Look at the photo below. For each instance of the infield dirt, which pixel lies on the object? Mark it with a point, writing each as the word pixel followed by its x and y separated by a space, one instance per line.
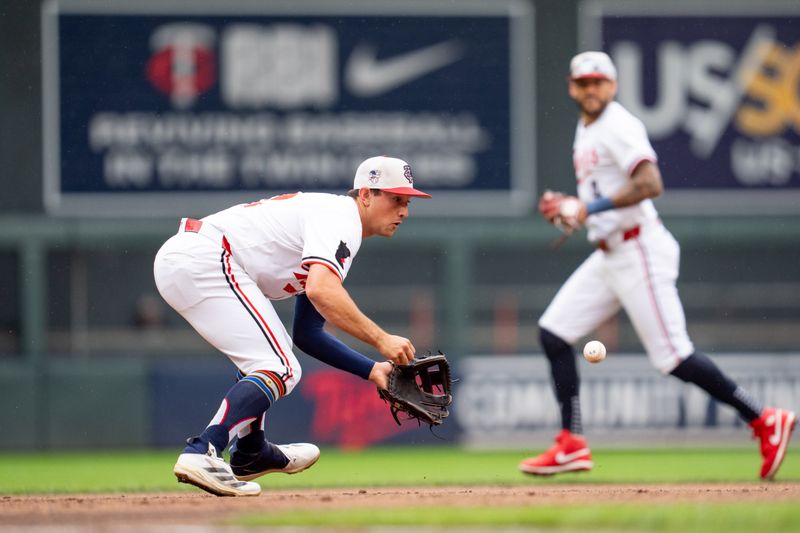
pixel 117 512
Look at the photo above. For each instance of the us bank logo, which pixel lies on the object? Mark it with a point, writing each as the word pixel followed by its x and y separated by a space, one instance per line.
pixel 282 66
pixel 719 95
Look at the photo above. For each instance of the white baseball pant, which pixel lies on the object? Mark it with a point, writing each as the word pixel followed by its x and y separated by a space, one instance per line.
pixel 196 275
pixel 639 275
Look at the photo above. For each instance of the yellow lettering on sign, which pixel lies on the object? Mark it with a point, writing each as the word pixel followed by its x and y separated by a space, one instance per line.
pixel 773 89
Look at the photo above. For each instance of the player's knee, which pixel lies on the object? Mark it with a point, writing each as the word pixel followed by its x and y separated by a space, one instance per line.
pixel 293 379
pixel 553 345
pixel 690 368
pixel 274 384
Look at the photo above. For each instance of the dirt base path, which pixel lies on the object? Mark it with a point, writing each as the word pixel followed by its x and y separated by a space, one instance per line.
pixel 104 512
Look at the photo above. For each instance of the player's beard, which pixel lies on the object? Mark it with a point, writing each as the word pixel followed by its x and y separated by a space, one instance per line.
pixel 594 111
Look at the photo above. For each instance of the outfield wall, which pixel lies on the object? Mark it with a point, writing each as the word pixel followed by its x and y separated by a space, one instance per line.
pixel 500 401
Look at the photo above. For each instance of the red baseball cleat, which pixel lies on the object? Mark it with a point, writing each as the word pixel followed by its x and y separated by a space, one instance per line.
pixel 774 428
pixel 569 454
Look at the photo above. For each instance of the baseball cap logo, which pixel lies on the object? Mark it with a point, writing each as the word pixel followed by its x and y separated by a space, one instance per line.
pixel 389 174
pixel 588 66
pixel 183 62
pixel 407 174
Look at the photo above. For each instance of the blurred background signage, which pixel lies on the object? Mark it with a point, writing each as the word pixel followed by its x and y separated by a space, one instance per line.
pixel 717 89
pixel 168 108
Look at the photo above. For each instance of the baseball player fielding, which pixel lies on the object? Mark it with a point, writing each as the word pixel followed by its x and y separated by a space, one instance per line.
pixel 594 351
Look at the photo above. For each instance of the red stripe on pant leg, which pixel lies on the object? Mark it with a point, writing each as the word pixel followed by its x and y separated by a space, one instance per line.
pixel 241 293
pixel 653 298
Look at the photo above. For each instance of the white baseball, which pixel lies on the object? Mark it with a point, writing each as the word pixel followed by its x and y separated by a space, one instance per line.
pixel 569 207
pixel 594 351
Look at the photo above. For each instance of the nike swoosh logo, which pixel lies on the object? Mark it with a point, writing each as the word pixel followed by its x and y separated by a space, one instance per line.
pixel 366 75
pixel 775 438
pixel 562 457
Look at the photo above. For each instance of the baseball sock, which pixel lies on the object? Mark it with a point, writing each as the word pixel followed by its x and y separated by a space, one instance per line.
pixel 253 449
pixel 243 404
pixel 252 437
pixel 566 381
pixel 252 440
pixel 699 369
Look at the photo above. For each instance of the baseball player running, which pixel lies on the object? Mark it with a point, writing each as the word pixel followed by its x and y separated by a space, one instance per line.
pixel 634 267
pixel 221 273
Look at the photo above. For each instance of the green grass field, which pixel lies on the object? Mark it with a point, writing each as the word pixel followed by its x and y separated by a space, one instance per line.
pixel 61 473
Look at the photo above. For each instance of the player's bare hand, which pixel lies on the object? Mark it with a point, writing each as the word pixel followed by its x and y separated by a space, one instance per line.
pixel 549 205
pixel 567 213
pixel 379 374
pixel 397 349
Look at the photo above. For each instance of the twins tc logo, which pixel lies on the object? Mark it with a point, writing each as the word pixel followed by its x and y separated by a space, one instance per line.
pixel 183 62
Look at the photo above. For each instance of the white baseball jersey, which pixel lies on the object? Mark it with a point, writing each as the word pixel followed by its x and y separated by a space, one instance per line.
pixel 605 154
pixel 276 240
pixel 638 265
pixel 220 274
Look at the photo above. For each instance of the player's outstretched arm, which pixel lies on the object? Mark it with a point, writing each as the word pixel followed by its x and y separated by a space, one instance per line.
pixel 645 183
pixel 570 212
pixel 310 336
pixel 325 290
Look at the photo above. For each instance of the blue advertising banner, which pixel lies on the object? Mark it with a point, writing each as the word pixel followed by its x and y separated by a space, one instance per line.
pixel 717 89
pixel 155 108
pixel 329 408
pixel 498 401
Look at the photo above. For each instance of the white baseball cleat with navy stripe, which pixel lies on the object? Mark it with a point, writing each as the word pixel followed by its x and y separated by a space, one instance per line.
pixel 210 473
pixel 299 456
